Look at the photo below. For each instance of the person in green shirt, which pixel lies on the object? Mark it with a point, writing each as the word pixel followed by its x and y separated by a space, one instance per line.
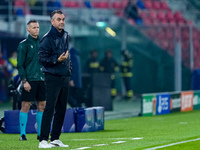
pixel 30 72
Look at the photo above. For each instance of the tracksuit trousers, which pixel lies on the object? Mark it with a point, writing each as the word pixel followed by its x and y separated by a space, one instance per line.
pixel 56 94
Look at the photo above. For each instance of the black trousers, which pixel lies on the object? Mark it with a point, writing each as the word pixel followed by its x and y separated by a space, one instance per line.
pixel 56 94
pixel 127 82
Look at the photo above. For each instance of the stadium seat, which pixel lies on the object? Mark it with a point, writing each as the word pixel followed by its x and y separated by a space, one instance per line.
pixel 143 14
pixel 161 15
pixel 169 16
pixel 156 5
pixel 172 22
pixel 96 4
pixel 164 22
pixel 152 33
pixel 164 5
pixel 164 44
pixel 178 15
pixel 185 46
pixel 161 35
pixel 104 4
pixel 131 21
pixel 185 34
pixel 196 44
pixel 152 15
pixel 147 21
pixel 117 5
pixel 140 4
pixel 124 3
pixel 148 4
pixel 70 4
pixel 169 34
pixel 119 13
pixel 195 35
pixel 180 22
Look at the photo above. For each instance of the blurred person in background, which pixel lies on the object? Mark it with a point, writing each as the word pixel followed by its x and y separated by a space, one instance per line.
pixel 126 72
pixel 36 7
pixel 20 7
pixel 109 65
pixel 75 82
pixel 13 61
pixel 4 75
pixel 30 72
pixel 92 64
pixel 53 5
pixel 131 11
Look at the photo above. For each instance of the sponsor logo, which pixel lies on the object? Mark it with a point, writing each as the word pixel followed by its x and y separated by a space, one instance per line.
pixel 186 101
pixel 163 104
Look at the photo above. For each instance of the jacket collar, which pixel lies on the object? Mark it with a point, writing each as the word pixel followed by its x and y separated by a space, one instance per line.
pixel 32 38
pixel 55 31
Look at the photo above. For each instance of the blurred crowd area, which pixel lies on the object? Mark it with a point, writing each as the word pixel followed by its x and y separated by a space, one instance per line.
pixel 169 24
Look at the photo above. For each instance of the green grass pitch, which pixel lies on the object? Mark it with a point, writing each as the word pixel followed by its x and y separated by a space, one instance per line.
pixel 122 134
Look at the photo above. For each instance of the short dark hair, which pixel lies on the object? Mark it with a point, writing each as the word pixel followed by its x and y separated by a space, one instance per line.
pixel 32 21
pixel 55 12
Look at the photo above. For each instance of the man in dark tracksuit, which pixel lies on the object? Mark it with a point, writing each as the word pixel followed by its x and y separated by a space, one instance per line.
pixel 109 65
pixel 75 80
pixel 92 64
pixel 126 72
pixel 54 57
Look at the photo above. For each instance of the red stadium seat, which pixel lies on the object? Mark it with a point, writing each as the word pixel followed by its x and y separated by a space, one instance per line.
pixel 104 5
pixel 152 15
pixel 169 16
pixel 164 44
pixel 172 22
pixel 143 14
pixel 164 5
pixel 156 5
pixel 71 4
pixel 178 15
pixel 131 21
pixel 185 34
pixel 152 33
pixel 147 21
pixel 161 15
pixel 148 4
pixel 96 4
pixel 119 13
pixel 169 34
pixel 180 22
pixel 117 5
pixel 164 22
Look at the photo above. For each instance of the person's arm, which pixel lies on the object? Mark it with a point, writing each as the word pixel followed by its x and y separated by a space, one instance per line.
pixel 21 57
pixel 46 56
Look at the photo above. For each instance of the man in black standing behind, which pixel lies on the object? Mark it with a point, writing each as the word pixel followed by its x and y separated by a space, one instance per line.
pixel 54 57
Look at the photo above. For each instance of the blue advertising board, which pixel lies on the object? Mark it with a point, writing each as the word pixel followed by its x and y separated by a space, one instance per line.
pixel 163 104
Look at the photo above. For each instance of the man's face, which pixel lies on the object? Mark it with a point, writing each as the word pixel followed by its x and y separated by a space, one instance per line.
pixel 58 21
pixel 33 29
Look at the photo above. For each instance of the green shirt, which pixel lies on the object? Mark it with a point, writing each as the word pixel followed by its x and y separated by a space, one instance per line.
pixel 27 60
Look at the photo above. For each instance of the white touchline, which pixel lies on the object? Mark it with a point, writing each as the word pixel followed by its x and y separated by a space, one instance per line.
pixel 83 139
pixel 119 142
pixel 83 147
pixel 139 138
pixel 100 145
pixel 172 144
